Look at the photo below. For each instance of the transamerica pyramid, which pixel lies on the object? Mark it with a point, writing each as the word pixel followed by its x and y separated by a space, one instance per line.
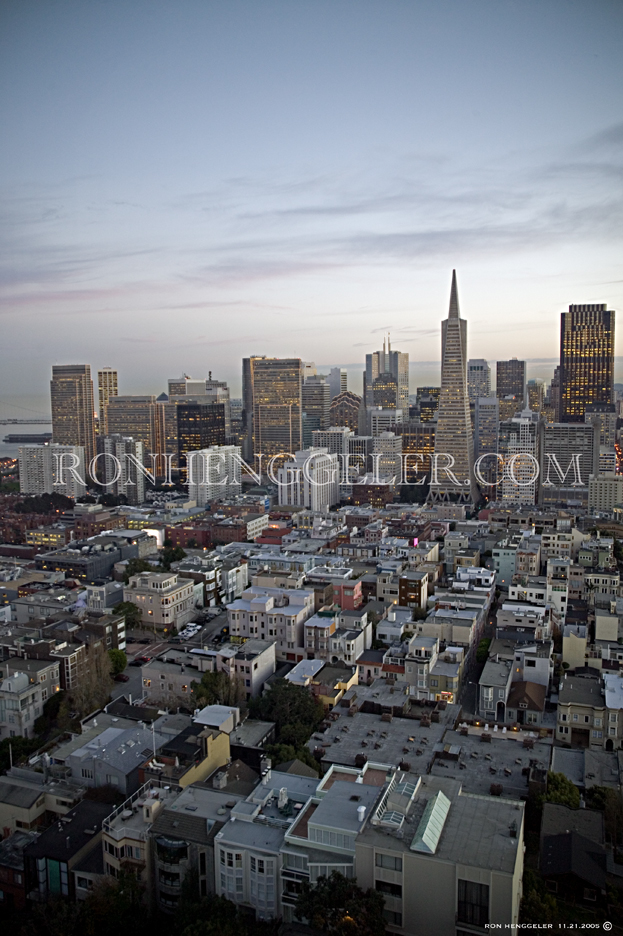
pixel 453 435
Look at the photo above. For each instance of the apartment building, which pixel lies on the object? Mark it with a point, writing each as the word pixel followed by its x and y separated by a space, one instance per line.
pixel 24 686
pixel 276 614
pixel 590 710
pixel 165 600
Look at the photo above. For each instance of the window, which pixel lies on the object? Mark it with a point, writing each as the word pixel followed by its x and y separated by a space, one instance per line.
pixel 576 717
pixel 598 734
pixel 389 862
pixel 385 887
pixel 487 694
pixel 563 716
pixel 87 773
pixel 590 894
pixel 392 917
pixel 473 900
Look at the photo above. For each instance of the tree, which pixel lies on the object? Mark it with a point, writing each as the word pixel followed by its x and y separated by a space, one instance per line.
pixel 339 907
pixel 287 704
pixel 483 650
pixel 219 689
pixel 118 660
pixel 131 612
pixel 280 753
pixel 562 790
pixel 192 543
pixel 94 687
pixel 134 567
pixel 171 554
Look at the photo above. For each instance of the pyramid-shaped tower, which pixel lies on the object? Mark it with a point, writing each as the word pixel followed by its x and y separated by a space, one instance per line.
pixel 453 435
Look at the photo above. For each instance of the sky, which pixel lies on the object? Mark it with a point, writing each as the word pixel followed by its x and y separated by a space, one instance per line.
pixel 186 184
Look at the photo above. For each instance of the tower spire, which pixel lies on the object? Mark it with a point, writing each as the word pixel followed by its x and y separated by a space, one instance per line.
pixel 454 299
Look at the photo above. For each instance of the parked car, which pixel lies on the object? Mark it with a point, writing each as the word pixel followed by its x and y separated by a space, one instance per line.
pixel 141 659
pixel 121 677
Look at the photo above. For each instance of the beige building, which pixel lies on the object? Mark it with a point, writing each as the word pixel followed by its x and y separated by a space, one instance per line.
pixel 605 491
pixel 574 639
pixel 457 869
pixel 165 600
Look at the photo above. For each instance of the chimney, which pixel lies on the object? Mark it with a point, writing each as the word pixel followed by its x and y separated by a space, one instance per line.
pixel 361 813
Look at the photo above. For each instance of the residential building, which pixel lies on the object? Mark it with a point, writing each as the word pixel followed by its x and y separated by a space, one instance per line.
pixel 214 473
pixel 107 388
pixel 165 600
pixel 54 468
pixel 50 860
pixel 276 614
pixel 311 479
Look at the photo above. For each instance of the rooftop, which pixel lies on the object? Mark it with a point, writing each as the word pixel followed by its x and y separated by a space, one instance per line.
pixel 68 836
pixel 476 764
pixel 581 690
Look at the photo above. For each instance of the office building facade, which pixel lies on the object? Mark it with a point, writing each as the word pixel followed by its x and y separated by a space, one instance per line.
pixel 73 418
pixel 586 360
pixel 511 379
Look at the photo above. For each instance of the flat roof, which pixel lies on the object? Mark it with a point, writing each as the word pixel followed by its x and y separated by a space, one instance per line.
pixel 581 690
pixel 476 831
pixel 479 764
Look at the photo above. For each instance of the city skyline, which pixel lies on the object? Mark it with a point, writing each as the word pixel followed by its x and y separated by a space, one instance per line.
pixel 244 181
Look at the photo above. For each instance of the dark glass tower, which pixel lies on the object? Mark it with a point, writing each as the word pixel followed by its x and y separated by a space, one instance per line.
pixel 586 360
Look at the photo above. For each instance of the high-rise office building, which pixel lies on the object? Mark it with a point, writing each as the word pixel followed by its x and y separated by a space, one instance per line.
pixel 338 381
pixel 554 394
pixel 486 436
pixel 535 394
pixel 347 409
pixel 385 391
pixel 427 402
pixel 511 379
pixel 569 455
pixel 453 435
pixel 586 359
pixel 418 439
pixel 73 417
pixel 478 379
pixel 391 362
pixel 316 401
pixel 135 417
pixel 199 426
pixel 107 388
pixel 272 405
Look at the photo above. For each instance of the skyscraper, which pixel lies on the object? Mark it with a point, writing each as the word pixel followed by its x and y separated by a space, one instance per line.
pixel 199 426
pixel 315 400
pixel 453 435
pixel 338 381
pixel 519 446
pixel 107 388
pixel 478 379
pixel 347 409
pixel 135 417
pixel 486 434
pixel 391 362
pixel 586 359
pixel 511 380
pixel 271 393
pixel 73 418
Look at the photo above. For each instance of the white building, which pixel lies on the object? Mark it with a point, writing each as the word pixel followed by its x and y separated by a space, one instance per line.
pixel 277 614
pixel 120 473
pixel 213 473
pixel 47 469
pixel 310 480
